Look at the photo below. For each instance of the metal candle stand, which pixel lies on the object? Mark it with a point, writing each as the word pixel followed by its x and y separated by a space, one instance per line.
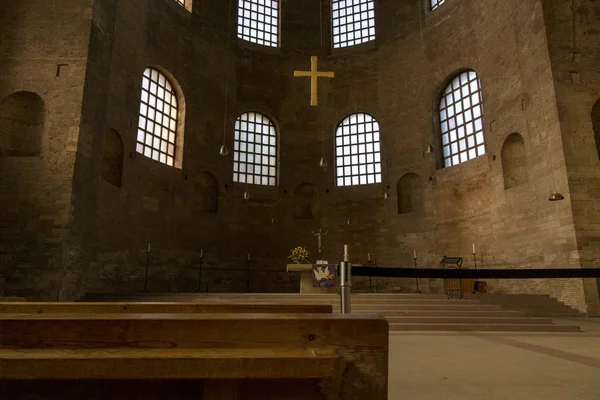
pixel 199 289
pixel 345 283
pixel 416 279
pixel 147 265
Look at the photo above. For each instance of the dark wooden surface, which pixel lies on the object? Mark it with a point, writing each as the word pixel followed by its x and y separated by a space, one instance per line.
pixel 161 308
pixel 280 363
pixel 361 341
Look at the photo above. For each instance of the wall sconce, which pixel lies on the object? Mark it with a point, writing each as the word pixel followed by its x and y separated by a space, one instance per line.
pixel 428 150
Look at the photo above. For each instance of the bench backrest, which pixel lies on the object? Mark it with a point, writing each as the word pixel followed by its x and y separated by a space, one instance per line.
pixel 361 340
pixel 221 306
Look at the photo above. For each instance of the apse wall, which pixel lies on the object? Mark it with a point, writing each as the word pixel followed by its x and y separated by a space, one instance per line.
pixel 204 235
pixel 42 73
pixel 574 50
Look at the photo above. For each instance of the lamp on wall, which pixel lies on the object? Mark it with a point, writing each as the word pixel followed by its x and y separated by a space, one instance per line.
pixel 247 195
pixel 555 196
pixel 323 162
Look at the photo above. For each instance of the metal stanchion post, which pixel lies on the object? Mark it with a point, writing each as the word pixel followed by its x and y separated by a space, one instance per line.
pixel 345 283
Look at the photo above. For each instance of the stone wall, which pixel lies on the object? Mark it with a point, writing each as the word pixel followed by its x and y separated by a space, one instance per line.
pixel 498 201
pixel 43 57
pixel 574 42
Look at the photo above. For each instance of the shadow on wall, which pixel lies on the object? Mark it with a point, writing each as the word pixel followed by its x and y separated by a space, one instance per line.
pixel 21 124
pixel 410 194
pixel 306 202
pixel 514 161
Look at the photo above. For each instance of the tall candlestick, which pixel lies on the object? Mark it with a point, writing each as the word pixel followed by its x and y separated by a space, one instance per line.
pixel 473 248
pixel 148 247
pixel 415 254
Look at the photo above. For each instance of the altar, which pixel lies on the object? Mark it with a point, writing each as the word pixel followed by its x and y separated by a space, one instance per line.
pixel 306 280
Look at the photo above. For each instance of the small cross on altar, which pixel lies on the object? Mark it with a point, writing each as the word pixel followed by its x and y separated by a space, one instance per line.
pixel 314 74
pixel 320 235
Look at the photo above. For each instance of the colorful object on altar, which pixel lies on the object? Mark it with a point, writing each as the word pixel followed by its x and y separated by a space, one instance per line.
pixel 299 255
pixel 324 275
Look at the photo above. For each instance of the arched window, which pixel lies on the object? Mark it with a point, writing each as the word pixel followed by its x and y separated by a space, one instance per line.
pixel 357 150
pixel 258 21
pixel 436 3
pixel 159 121
pixel 255 150
pixel 461 120
pixel 353 22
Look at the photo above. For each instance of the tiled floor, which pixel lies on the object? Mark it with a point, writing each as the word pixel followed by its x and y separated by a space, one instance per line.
pixel 515 366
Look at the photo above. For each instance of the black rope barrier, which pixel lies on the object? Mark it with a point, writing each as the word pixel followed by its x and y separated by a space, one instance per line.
pixel 442 273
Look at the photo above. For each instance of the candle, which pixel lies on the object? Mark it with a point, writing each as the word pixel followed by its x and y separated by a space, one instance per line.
pixel 248 256
pixel 415 254
pixel 201 253
pixel 369 256
pixel 473 248
pixel 148 247
pixel 345 251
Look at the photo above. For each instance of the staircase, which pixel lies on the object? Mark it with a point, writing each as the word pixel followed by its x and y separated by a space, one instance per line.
pixel 405 312
pixel 534 305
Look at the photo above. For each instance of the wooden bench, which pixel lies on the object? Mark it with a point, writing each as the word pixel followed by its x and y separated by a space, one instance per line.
pixel 200 356
pixel 161 308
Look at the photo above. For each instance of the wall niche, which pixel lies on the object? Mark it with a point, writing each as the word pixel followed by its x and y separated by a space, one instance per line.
pixel 22 116
pixel 514 161
pixel 410 194
pixel 305 201
pixel 112 158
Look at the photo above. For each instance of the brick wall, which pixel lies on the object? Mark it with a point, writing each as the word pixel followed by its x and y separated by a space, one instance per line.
pixel 397 79
pixel 43 56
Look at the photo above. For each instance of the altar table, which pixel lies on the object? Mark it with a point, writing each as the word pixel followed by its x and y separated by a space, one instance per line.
pixel 306 285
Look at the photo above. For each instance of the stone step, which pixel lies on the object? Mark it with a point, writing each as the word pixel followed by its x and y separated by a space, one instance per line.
pixel 469 320
pixel 483 328
pixel 440 307
pixel 445 313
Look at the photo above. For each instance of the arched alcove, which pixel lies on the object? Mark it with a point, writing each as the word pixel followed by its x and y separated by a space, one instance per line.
pixel 305 201
pixel 22 117
pixel 514 162
pixel 208 188
pixel 596 125
pixel 112 157
pixel 410 194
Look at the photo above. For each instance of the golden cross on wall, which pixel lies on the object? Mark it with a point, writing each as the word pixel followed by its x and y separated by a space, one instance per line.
pixel 314 74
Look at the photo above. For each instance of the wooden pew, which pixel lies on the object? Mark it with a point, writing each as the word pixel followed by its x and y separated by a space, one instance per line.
pixel 199 356
pixel 161 308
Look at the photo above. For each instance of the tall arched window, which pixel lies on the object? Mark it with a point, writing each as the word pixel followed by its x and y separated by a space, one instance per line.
pixel 353 22
pixel 461 119
pixel 258 21
pixel 255 150
pixel 357 150
pixel 436 3
pixel 159 119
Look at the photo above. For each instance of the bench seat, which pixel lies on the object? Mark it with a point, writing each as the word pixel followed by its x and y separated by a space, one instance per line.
pixel 125 363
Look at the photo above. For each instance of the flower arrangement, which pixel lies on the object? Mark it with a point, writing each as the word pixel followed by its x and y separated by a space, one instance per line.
pixel 299 255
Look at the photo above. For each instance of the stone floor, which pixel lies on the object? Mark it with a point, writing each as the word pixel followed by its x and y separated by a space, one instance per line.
pixel 515 366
